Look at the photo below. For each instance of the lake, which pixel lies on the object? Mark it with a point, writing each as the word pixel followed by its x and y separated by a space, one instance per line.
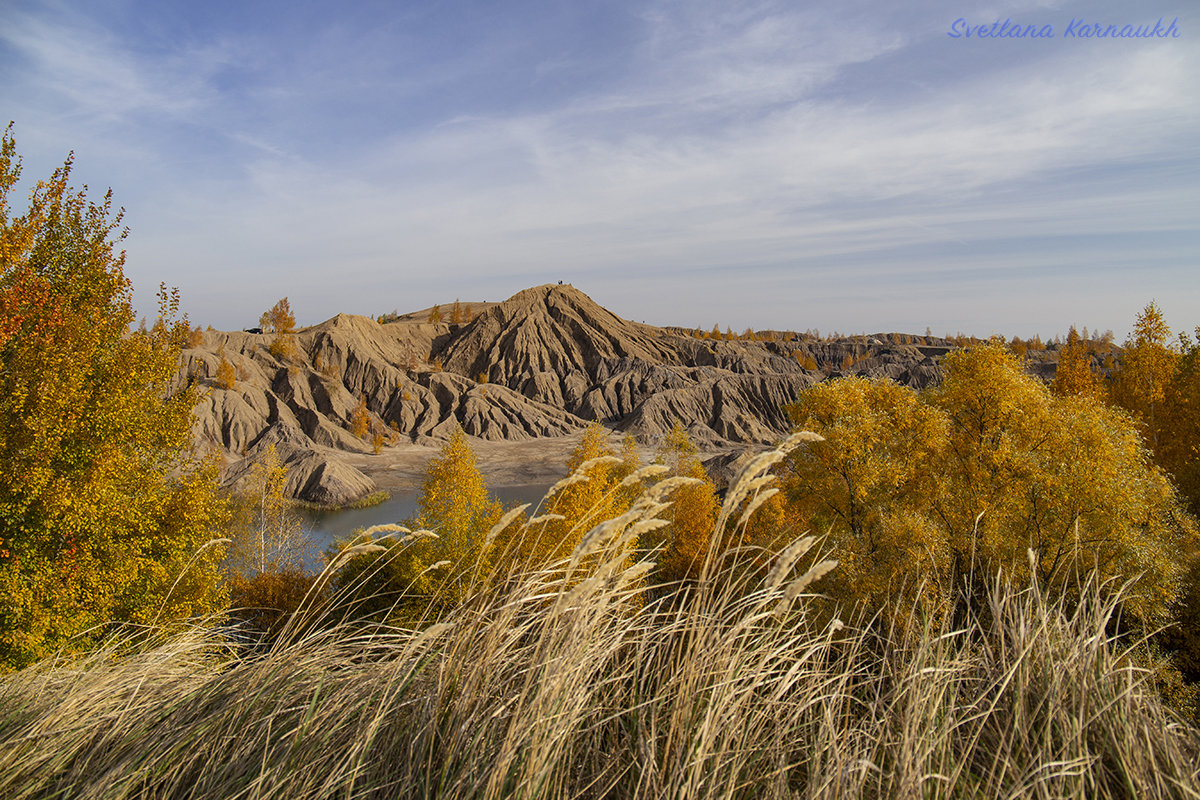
pixel 326 526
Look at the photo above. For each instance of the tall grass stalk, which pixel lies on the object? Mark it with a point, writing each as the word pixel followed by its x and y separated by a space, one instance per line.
pixel 581 680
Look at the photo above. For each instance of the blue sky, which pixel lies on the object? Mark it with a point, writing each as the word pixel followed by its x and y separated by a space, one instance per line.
pixel 842 165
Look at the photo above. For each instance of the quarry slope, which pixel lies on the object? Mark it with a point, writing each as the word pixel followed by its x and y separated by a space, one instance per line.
pixel 543 363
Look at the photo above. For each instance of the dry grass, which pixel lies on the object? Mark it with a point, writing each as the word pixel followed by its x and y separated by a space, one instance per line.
pixel 581 681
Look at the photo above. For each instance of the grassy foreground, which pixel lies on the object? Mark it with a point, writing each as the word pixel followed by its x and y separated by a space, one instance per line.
pixel 581 681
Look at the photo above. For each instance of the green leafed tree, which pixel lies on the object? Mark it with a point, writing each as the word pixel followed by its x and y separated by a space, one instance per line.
pixel 102 515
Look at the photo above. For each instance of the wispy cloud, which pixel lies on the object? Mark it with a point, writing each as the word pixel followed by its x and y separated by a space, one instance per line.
pixel 756 150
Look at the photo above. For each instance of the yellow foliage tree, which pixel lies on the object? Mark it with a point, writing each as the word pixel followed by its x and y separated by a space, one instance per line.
pixel 420 574
pixel 455 504
pixel 1179 447
pixel 684 543
pixel 1147 367
pixel 266 560
pixel 584 503
pixel 881 451
pixel 278 318
pixel 102 514
pixel 226 376
pixel 360 419
pixel 1065 477
pixel 1073 374
pixel 280 321
pixel 267 535
pixel 983 469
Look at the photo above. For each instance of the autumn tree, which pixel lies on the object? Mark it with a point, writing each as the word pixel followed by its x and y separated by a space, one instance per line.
pixel 684 543
pixel 866 485
pixel 1065 477
pixel 594 495
pixel 967 479
pixel 102 515
pixel 280 321
pixel 278 318
pixel 1147 367
pixel 1179 447
pixel 435 314
pixel 226 375
pixel 1074 375
pixel 437 569
pixel 269 549
pixel 267 534
pixel 456 505
pixel 1157 381
pixel 360 419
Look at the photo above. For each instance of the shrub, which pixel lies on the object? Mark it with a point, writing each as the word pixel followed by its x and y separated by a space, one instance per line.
pixel 360 419
pixel 264 602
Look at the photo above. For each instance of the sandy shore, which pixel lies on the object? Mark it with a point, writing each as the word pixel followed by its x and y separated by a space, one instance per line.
pixel 528 463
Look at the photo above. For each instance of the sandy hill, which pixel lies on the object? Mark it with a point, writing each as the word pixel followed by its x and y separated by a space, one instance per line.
pixel 543 363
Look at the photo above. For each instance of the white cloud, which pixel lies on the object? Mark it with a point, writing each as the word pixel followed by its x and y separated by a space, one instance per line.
pixel 729 139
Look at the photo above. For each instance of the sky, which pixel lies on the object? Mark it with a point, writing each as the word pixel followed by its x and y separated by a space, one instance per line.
pixel 840 166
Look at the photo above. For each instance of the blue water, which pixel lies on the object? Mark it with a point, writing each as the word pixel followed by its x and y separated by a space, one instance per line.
pixel 324 527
